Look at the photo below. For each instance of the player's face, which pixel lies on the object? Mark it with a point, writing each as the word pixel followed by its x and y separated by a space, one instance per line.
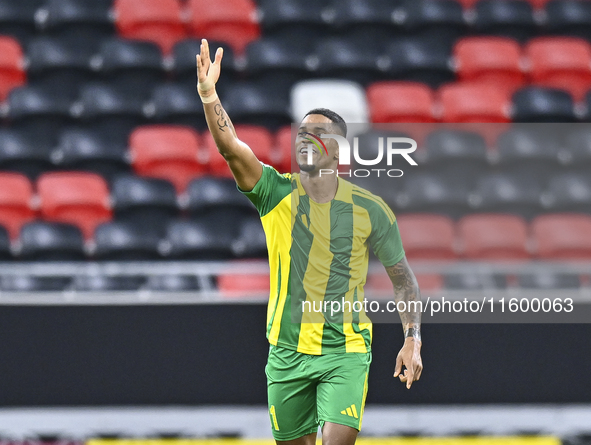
pixel 310 149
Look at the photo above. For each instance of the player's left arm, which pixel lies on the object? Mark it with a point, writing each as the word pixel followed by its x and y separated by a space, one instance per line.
pixel 406 289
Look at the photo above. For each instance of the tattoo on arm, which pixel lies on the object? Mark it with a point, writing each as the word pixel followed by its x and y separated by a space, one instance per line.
pixel 406 289
pixel 223 120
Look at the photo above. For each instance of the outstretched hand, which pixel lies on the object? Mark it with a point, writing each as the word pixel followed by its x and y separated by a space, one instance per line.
pixel 208 73
pixel 410 357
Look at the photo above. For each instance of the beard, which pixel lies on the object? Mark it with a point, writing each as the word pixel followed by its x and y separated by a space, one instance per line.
pixel 307 167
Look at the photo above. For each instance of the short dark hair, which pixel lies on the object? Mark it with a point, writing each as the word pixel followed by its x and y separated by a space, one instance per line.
pixel 334 118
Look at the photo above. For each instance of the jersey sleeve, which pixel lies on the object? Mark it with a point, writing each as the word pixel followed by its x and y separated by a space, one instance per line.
pixel 385 238
pixel 270 189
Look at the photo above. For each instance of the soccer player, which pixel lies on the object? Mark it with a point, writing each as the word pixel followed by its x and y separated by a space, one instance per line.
pixel 319 228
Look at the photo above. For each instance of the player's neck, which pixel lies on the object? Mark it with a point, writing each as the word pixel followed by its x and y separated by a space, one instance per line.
pixel 320 188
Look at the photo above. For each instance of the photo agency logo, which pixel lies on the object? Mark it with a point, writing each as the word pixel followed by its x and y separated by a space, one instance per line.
pixel 387 147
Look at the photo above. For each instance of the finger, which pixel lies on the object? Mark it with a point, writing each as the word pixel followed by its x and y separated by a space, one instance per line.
pixel 218 56
pixel 418 372
pixel 410 377
pixel 398 368
pixel 403 377
pixel 205 48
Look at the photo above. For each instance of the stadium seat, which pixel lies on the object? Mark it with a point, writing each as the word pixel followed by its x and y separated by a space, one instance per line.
pixel 255 104
pixel 508 18
pixel 493 237
pixel 494 60
pixel 424 192
pixel 538 4
pixel 166 152
pixel 109 105
pixel 243 285
pixel 12 66
pixel 297 20
pixel 271 60
pixel 404 102
pixel 560 62
pixel 125 241
pixel 38 110
pixel 208 238
pixel 16 202
pixel 501 192
pixel 348 59
pixel 91 150
pixel 50 241
pixel 548 280
pixel 344 97
pixel 569 17
pixel 107 283
pixel 136 65
pixel 88 20
pixel 456 154
pixel 420 60
pixel 74 197
pixel 283 143
pixel 568 192
pixel 381 283
pixel 427 236
pixel 474 103
pixel 528 149
pixel 176 103
pixel 34 283
pixel 207 193
pixel 5 253
pixel 472 281
pixel 536 104
pixel 59 63
pixel 17 19
pixel 578 147
pixel 215 163
pixel 562 236
pixel 232 21
pixel 146 201
pixel 155 20
pixel 24 154
pixel 173 283
pixel 468 4
pixel 183 62
pixel 433 19
pixel 251 241
pixel 369 21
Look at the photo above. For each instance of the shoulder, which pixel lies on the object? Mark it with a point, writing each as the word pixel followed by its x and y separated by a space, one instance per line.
pixel 375 206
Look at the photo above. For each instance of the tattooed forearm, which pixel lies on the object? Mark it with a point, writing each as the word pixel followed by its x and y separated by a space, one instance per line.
pixel 406 290
pixel 223 121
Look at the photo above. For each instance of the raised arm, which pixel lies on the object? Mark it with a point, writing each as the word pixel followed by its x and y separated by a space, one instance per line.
pixel 246 168
pixel 406 290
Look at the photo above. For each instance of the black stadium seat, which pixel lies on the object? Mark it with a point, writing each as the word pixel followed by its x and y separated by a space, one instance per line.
pixel 535 104
pixel 90 150
pixel 177 103
pixel 568 192
pixel 578 148
pixel 124 241
pixel 508 18
pixel 33 283
pixel 149 202
pixel 21 153
pixel 471 281
pixel 107 283
pixel 368 21
pixel 17 18
pixel 435 20
pixel 501 192
pixel 251 242
pixel 173 283
pixel 183 62
pixel 48 241
pixel 420 60
pixel 548 280
pixel 569 17
pixel 348 59
pixel 135 65
pixel 5 253
pixel 208 193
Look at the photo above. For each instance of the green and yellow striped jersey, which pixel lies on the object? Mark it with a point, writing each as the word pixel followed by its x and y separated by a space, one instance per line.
pixel 320 252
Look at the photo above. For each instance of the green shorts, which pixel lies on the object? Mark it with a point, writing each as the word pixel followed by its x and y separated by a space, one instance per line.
pixel 307 390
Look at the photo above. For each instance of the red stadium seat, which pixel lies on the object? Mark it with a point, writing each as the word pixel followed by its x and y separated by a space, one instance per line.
pixel 76 198
pixel 231 21
pixel 468 3
pixel 155 20
pixel 405 102
pixel 490 236
pixel 561 62
pixel 427 237
pixel 472 102
pixel 243 285
pixel 12 66
pixel 494 60
pixel 167 152
pixel 16 202
pixel 284 142
pixel 538 4
pixel 562 236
